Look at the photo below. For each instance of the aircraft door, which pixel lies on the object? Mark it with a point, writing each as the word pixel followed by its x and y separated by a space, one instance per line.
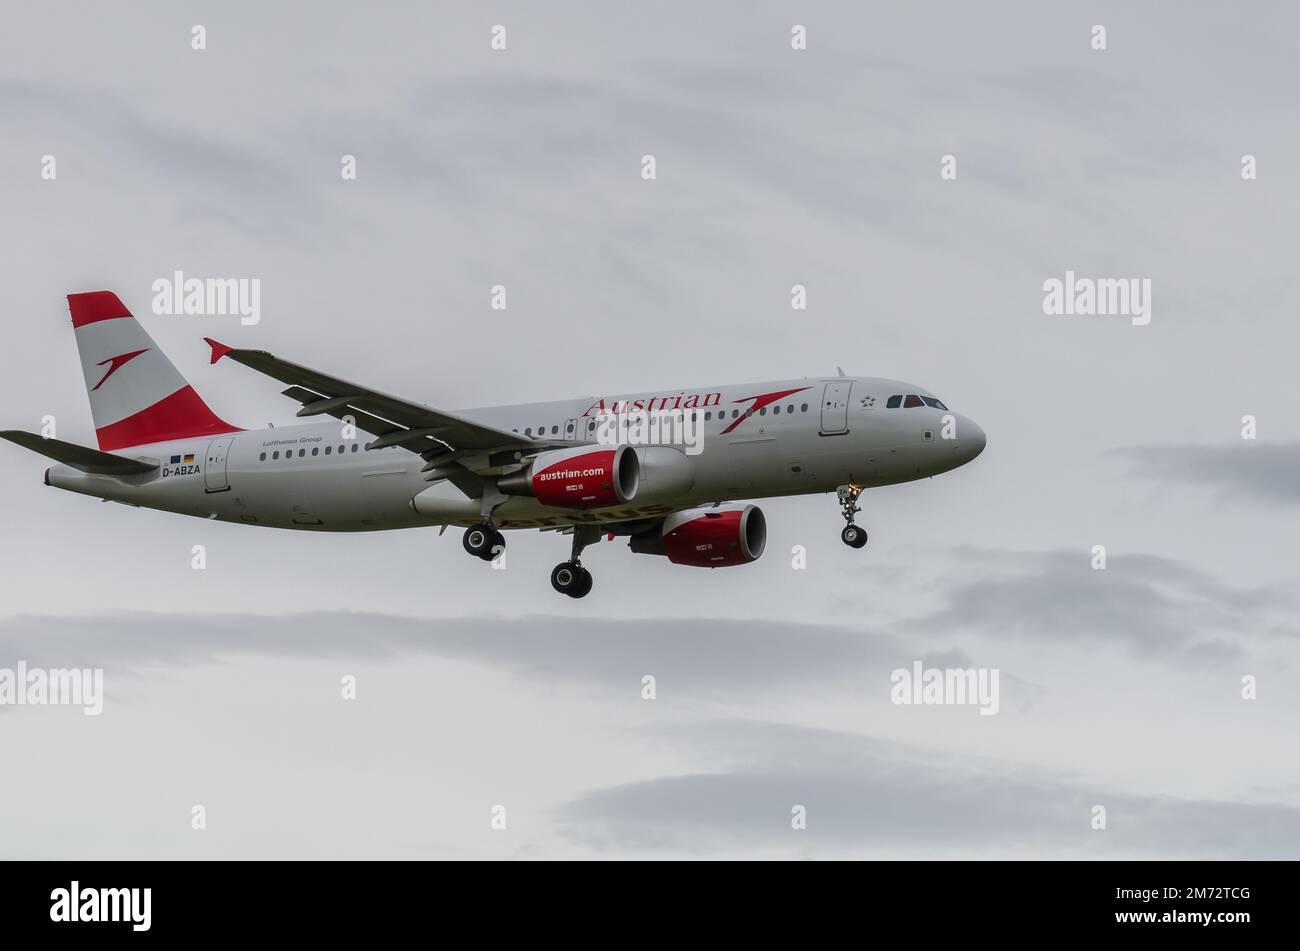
pixel 214 472
pixel 835 408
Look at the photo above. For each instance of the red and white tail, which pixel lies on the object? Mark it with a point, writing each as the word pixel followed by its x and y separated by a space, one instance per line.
pixel 137 396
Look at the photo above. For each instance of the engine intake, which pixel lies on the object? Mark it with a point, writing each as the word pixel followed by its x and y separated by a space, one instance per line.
pixel 708 538
pixel 578 478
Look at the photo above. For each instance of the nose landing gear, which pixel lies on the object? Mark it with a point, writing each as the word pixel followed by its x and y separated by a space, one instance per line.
pixel 853 536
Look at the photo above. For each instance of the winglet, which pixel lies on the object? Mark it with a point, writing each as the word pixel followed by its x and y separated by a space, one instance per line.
pixel 219 350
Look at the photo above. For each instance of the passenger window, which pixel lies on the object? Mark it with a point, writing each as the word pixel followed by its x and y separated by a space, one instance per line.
pixel 894 402
pixel 315 450
pixel 262 458
pixel 804 408
pixel 276 454
pixel 763 411
pixel 354 447
pixel 302 453
pixel 327 450
pixel 554 430
pixel 708 416
pixel 528 431
pixel 912 400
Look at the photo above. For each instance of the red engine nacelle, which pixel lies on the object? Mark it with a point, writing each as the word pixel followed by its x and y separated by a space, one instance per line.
pixel 709 538
pixel 578 478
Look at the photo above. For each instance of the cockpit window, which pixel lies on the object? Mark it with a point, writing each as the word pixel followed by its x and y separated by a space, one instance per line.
pixel 911 400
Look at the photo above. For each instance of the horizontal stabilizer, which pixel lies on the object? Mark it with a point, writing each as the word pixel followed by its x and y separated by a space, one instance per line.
pixel 79 457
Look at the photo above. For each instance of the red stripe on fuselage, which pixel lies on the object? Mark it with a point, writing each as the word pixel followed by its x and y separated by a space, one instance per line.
pixel 765 399
pixel 179 416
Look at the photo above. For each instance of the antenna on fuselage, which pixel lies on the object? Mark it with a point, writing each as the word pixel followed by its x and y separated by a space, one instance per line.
pixel 839 370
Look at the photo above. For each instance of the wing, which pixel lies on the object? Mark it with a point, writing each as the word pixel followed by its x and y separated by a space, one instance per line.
pixel 453 447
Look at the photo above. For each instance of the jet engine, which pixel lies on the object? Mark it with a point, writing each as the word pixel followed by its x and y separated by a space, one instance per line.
pixel 707 538
pixel 579 477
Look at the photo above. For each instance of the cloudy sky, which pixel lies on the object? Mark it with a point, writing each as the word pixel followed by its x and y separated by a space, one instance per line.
pixel 480 688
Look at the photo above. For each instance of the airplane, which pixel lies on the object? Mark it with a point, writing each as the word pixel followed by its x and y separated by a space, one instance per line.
pixel 549 466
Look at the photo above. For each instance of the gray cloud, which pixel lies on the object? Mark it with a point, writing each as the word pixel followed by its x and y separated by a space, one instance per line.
pixel 1246 471
pixel 866 796
pixel 209 174
pixel 695 654
pixel 1154 606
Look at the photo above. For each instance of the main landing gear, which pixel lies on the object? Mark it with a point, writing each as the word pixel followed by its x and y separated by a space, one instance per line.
pixel 569 577
pixel 853 536
pixel 484 541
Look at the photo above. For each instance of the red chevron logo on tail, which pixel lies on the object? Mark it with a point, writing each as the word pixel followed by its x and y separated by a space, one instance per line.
pixel 117 362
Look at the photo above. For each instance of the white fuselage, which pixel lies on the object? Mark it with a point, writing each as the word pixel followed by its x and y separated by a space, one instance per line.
pixel 823 433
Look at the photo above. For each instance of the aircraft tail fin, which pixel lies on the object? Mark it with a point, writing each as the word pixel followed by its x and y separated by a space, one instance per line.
pixel 137 396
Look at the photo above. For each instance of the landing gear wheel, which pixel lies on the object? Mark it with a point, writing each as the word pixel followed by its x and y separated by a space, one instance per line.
pixel 483 541
pixel 852 536
pixel 571 579
pixel 496 547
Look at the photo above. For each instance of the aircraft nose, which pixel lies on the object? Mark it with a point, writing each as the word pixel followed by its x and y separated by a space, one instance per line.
pixel 968 440
pixel 971 439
